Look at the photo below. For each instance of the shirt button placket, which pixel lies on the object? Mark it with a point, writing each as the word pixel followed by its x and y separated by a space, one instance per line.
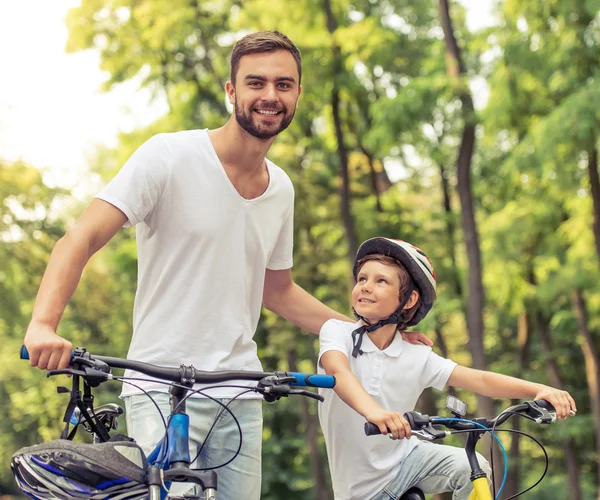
pixel 377 373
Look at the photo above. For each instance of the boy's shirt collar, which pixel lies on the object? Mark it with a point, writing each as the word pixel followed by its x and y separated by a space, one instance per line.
pixel 393 350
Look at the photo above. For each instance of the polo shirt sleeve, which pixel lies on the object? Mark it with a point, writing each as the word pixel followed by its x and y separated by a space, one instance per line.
pixel 436 371
pixel 335 335
pixel 138 186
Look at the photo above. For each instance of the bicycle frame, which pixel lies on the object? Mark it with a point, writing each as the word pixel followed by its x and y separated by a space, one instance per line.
pixel 481 490
pixel 175 448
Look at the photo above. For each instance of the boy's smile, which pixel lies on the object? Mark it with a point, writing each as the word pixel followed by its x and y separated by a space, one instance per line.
pixel 376 294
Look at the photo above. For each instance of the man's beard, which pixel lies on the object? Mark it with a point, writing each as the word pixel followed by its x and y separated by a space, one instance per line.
pixel 246 121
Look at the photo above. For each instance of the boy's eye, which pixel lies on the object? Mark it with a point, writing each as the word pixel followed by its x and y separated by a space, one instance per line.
pixel 361 279
pixel 382 280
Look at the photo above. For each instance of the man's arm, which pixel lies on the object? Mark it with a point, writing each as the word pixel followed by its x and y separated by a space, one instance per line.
pixel 496 385
pixel 290 301
pixel 351 391
pixel 97 225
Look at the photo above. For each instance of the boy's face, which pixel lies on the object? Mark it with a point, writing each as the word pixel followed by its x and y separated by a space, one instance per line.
pixel 265 93
pixel 376 294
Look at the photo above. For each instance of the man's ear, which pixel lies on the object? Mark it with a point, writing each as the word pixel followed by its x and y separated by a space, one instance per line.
pixel 414 297
pixel 230 89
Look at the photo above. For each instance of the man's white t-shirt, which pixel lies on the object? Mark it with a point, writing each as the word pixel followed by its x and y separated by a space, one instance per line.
pixel 203 251
pixel 363 465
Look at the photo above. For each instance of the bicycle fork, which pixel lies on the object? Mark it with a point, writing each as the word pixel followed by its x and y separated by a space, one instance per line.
pixel 205 479
pixel 481 489
pixel 208 494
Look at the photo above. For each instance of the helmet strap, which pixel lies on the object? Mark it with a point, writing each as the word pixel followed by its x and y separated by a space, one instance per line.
pixel 394 319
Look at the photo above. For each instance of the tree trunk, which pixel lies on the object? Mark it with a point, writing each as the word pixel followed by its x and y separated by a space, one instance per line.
pixel 475 299
pixel 319 467
pixel 514 473
pixel 595 191
pixel 339 134
pixel 451 232
pixel 375 182
pixel 555 379
pixel 380 181
pixel 592 371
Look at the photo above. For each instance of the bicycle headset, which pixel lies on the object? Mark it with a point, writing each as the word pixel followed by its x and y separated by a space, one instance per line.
pixel 422 279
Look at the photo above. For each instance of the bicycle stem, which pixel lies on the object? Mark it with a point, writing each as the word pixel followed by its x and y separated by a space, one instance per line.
pixel 476 470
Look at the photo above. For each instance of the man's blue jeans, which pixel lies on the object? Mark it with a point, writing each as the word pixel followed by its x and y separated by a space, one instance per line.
pixel 242 477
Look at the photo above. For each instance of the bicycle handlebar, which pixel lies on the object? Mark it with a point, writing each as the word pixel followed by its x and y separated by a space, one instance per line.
pixel 540 411
pixel 190 374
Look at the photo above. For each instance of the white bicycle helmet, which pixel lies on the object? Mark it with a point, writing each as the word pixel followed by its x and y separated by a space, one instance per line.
pixel 64 470
pixel 421 274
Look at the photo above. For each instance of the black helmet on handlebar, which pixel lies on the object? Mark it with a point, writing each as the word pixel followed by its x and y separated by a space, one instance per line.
pixel 64 470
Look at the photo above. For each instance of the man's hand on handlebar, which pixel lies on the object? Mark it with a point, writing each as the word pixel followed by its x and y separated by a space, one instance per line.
pixel 390 422
pixel 561 400
pixel 47 350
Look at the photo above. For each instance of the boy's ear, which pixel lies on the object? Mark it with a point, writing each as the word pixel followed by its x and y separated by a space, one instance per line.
pixel 414 297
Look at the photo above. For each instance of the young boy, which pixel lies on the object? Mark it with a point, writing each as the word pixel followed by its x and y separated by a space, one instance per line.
pixel 379 377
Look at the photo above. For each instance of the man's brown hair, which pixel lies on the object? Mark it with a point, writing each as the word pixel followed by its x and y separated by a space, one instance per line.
pixel 263 41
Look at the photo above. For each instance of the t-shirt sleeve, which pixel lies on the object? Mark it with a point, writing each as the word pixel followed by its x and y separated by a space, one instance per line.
pixel 334 336
pixel 283 253
pixel 436 371
pixel 138 186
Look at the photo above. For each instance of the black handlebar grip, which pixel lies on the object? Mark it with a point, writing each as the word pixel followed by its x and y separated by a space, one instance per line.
pixel 371 429
pixel 544 404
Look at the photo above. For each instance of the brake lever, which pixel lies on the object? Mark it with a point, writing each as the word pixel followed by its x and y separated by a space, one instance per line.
pixel 92 377
pixel 308 394
pixel 539 414
pixel 430 433
pixel 65 371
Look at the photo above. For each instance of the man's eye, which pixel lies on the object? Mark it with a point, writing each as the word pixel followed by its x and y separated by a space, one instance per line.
pixel 284 86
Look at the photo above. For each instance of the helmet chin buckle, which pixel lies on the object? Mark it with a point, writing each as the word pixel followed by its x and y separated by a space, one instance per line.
pixel 393 319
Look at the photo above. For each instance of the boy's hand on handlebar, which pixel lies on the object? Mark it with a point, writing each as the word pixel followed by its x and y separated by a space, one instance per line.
pixel 417 338
pixel 47 350
pixel 561 400
pixel 390 422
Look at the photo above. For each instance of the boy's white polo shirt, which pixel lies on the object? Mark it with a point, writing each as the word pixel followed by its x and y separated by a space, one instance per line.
pixel 362 465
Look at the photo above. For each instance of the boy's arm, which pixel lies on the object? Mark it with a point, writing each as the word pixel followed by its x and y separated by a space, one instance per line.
pixel 92 231
pixel 496 385
pixel 290 301
pixel 351 391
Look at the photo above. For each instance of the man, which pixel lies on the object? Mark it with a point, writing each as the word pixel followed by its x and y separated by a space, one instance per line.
pixel 214 225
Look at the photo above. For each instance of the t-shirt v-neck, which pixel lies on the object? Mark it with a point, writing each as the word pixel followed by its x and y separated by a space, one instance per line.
pixel 227 178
